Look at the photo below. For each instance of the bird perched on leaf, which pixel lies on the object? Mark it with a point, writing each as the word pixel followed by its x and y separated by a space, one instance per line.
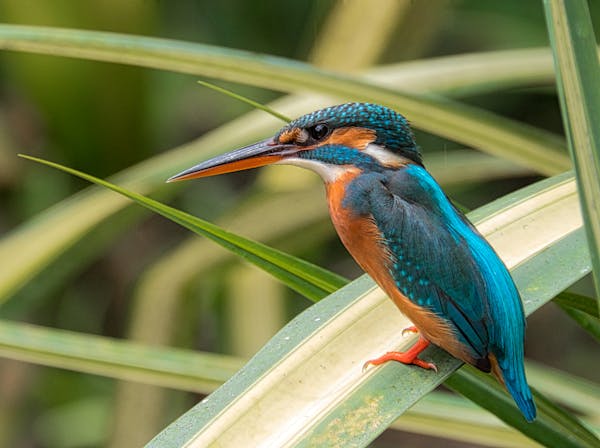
pixel 403 231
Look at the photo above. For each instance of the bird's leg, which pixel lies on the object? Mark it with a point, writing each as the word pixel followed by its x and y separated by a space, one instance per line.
pixel 408 357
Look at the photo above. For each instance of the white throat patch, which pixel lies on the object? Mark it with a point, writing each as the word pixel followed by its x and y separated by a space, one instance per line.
pixel 328 172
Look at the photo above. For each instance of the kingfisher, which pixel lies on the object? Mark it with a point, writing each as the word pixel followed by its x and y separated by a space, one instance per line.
pixel 401 228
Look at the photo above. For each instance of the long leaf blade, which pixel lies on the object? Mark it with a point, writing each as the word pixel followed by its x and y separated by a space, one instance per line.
pixel 582 310
pixel 581 395
pixel 168 367
pixel 306 278
pixel 474 127
pixel 327 343
pixel 578 302
pixel 494 221
pixel 578 78
pixel 203 372
pixel 244 99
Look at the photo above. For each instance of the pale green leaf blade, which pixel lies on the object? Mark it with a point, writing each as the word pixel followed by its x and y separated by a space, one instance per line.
pixel 471 126
pixel 168 367
pixel 578 77
pixel 327 344
pixel 576 393
pixel 203 372
pixel 306 278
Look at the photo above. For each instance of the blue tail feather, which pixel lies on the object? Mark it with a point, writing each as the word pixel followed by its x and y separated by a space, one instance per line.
pixel 516 383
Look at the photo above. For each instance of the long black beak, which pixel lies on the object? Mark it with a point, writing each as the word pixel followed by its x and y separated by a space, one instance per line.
pixel 259 154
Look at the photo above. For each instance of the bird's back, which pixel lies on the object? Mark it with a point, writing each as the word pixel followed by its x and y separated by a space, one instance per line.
pixel 404 232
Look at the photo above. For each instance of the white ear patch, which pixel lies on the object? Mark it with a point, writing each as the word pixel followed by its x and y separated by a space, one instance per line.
pixel 328 172
pixel 384 157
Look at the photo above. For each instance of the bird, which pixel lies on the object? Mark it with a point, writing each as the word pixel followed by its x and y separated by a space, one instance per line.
pixel 401 228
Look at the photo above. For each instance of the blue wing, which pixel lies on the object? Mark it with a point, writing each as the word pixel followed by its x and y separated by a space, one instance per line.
pixel 440 262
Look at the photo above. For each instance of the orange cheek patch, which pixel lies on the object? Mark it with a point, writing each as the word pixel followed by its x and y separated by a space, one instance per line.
pixel 357 138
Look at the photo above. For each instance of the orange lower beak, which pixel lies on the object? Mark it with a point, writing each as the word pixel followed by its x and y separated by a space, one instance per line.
pixel 253 156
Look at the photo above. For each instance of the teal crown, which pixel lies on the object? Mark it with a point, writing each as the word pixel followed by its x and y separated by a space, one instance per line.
pixel 392 129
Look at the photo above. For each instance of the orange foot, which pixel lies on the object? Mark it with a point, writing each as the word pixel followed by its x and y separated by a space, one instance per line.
pixel 408 357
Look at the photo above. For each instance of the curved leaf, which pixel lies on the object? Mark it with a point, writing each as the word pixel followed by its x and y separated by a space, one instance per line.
pixel 578 79
pixel 576 393
pixel 582 310
pixel 327 344
pixel 471 126
pixel 169 367
pixel 306 278
pixel 577 302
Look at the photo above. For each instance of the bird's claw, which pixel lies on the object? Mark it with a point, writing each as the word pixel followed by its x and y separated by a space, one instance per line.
pixel 425 365
pixel 410 330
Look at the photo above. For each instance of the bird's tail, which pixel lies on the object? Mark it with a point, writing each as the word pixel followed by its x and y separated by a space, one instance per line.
pixel 513 378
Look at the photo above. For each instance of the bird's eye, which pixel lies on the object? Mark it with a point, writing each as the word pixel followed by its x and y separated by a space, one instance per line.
pixel 318 131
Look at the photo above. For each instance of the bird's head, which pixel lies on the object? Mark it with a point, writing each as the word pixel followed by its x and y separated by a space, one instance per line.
pixel 328 141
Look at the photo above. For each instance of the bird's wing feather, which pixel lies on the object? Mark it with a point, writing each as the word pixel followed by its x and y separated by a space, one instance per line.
pixel 433 261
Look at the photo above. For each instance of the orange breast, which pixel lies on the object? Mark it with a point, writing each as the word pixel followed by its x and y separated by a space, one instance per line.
pixel 363 240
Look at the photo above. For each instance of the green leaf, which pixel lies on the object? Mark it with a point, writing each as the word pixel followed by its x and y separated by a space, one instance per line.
pixel 452 417
pixel 576 393
pixel 39 242
pixel 474 127
pixel 578 78
pixel 447 416
pixel 194 224
pixel 453 74
pixel 585 320
pixel 168 367
pixel 306 278
pixel 246 100
pixel 553 426
pixel 581 309
pixel 154 205
pixel 577 302
pixel 328 343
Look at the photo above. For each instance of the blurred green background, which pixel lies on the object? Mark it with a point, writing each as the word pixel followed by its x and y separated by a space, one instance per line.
pixel 101 118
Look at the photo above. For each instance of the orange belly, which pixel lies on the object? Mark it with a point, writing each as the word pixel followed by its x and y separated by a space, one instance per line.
pixel 363 240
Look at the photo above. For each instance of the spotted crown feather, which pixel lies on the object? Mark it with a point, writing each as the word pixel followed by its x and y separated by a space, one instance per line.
pixel 392 129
